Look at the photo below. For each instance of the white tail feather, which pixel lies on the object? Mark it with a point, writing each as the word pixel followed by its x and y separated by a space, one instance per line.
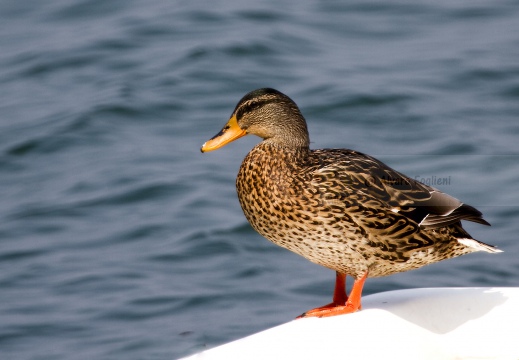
pixel 479 246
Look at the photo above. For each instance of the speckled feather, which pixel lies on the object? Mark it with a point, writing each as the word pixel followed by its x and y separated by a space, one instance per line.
pixel 329 206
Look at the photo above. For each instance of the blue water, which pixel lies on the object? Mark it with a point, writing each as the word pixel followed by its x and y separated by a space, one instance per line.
pixel 120 240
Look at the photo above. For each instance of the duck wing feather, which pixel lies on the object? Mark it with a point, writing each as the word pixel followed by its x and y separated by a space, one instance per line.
pixel 351 173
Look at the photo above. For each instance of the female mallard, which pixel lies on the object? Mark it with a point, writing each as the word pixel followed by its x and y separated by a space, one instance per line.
pixel 336 207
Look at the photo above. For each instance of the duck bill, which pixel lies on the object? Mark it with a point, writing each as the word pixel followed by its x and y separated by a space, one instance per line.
pixel 230 132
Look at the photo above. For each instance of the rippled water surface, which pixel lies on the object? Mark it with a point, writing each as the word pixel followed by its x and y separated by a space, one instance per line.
pixel 119 240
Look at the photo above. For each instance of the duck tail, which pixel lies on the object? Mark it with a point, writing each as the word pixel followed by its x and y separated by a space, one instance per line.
pixel 478 245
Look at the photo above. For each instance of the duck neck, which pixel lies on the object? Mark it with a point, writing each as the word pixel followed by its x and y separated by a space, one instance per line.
pixel 292 139
pixel 292 153
pixel 289 133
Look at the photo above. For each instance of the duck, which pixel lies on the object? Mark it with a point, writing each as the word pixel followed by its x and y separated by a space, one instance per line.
pixel 338 208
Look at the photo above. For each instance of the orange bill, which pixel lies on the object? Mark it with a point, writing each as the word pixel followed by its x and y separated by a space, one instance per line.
pixel 230 132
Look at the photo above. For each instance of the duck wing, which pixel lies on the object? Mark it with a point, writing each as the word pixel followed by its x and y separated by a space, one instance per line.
pixel 351 173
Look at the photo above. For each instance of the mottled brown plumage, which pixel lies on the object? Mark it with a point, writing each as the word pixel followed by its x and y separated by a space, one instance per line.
pixel 339 208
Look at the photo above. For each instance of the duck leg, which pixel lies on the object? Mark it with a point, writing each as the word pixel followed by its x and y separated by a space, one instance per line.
pixel 339 293
pixel 339 296
pixel 351 304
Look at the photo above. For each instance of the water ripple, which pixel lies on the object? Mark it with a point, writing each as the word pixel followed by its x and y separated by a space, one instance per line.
pixel 121 240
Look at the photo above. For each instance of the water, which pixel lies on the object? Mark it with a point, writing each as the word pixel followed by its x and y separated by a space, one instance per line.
pixel 119 240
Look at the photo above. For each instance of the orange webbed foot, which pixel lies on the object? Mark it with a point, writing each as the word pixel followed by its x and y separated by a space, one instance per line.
pixel 326 311
pixel 337 307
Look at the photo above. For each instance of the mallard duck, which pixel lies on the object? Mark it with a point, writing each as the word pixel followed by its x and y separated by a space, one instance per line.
pixel 339 208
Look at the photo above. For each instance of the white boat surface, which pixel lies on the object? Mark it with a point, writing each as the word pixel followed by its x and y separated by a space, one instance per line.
pixel 428 323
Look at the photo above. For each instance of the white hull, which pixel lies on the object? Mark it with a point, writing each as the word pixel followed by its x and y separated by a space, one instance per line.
pixel 436 323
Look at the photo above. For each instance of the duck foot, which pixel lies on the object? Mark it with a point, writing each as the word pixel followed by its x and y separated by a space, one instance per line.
pixel 351 305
